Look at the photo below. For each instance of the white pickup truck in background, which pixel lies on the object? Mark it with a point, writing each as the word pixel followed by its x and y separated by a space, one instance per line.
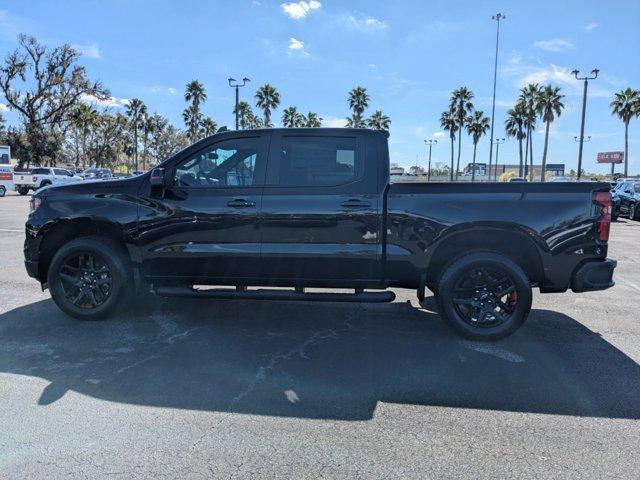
pixel 42 177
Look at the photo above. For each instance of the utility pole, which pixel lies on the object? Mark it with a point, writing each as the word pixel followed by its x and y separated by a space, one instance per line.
pixel 586 79
pixel 497 17
pixel 498 142
pixel 236 85
pixel 431 143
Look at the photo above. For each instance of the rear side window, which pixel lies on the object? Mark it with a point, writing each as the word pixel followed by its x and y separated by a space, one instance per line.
pixel 316 162
pixel 40 171
pixel 59 171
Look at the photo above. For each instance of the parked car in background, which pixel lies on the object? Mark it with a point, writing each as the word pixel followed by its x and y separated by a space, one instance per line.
pixel 315 208
pixel 96 174
pixel 6 179
pixel 42 177
pixel 517 180
pixel 629 193
pixel 615 205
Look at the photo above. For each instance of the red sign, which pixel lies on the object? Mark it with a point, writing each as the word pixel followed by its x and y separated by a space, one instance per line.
pixel 610 157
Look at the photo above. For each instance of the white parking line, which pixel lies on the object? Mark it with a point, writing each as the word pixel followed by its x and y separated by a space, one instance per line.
pixel 10 230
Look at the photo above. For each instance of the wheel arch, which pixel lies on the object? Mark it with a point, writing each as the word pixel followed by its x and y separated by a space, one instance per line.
pixel 513 244
pixel 65 230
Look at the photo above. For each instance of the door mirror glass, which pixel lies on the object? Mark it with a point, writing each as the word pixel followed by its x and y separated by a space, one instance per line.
pixel 157 177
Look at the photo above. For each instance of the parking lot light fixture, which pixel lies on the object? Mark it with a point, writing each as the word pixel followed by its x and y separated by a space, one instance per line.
pixel 586 78
pixel 431 143
pixel 234 84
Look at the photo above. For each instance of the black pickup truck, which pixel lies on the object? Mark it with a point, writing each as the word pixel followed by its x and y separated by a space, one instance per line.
pixel 313 208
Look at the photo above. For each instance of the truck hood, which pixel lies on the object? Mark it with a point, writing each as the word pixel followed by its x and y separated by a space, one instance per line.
pixel 125 185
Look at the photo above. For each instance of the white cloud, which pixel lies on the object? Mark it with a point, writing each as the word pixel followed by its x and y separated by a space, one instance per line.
pixel 106 103
pixel 3 108
pixel 89 50
pixel 554 45
pixel 365 24
pixel 296 47
pixel 333 122
pixel 299 10
pixel 439 134
pixel 591 26
pixel 169 90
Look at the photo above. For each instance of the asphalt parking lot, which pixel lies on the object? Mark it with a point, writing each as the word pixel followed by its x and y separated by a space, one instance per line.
pixel 228 389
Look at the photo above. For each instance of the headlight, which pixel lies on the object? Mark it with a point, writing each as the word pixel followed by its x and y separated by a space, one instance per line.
pixel 34 203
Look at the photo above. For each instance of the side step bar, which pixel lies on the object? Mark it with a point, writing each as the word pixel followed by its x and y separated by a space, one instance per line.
pixel 286 295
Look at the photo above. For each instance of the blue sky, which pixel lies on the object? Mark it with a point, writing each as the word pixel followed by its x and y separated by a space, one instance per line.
pixel 408 54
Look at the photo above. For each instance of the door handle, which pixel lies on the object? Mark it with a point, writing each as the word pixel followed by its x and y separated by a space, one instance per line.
pixel 356 203
pixel 240 203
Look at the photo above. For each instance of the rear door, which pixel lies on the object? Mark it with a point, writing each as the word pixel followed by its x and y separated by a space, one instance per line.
pixel 321 218
pixel 206 224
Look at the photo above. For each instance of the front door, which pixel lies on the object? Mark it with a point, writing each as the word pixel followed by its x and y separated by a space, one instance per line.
pixel 321 217
pixel 206 224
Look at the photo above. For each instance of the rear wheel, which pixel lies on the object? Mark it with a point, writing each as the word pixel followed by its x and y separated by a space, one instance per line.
pixel 23 190
pixel 484 296
pixel 88 278
pixel 46 183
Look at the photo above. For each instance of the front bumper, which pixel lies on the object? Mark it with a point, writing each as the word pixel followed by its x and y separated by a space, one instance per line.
pixel 595 275
pixel 32 268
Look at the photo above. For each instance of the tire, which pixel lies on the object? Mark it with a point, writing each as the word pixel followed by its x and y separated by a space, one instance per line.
pixel 46 183
pixel 487 306
pixel 89 289
pixel 23 190
pixel 634 213
pixel 3 191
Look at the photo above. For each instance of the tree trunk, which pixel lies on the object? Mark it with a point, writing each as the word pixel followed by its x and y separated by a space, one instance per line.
pixel 135 147
pixel 473 172
pixel 544 152
pixel 526 153
pixel 520 152
pixel 531 158
pixel 459 147
pixel 626 149
pixel 451 172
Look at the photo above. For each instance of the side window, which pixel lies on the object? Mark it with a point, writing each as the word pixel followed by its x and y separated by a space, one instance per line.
pixel 316 162
pixel 230 163
pixel 59 171
pixel 40 171
pixel 636 187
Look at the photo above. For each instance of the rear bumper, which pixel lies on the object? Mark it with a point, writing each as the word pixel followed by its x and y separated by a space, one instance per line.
pixel 596 275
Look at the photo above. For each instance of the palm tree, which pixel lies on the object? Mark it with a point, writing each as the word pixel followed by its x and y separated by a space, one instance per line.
pixel 477 126
pixel 192 119
pixel 449 123
pixel 355 122
pixel 83 119
pixel 291 118
pixel 253 121
pixel 379 121
pixel 267 98
pixel 358 99
pixel 208 127
pixel 528 96
pixel 514 126
pixel 149 124
pixel 244 112
pixel 136 111
pixel 461 105
pixel 312 120
pixel 626 105
pixel 195 94
pixel 548 105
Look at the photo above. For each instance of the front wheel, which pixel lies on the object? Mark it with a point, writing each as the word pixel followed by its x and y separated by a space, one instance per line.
pixel 3 190
pixel 88 278
pixel 634 212
pixel 484 296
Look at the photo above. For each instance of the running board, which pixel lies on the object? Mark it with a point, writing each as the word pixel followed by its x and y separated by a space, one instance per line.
pixel 285 295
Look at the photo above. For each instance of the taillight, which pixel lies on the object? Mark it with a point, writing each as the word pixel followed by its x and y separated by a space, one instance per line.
pixel 35 179
pixel 603 199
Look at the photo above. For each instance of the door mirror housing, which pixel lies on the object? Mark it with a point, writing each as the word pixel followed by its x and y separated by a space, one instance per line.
pixel 157 182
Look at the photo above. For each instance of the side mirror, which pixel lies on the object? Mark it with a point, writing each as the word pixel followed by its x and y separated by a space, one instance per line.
pixel 157 182
pixel 157 177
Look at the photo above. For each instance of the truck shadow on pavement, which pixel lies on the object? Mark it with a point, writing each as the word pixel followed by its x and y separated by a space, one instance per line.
pixel 313 360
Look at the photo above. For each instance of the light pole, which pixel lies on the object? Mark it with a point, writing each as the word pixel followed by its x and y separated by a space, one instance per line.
pixel 498 142
pixel 236 85
pixel 586 79
pixel 497 17
pixel 431 143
